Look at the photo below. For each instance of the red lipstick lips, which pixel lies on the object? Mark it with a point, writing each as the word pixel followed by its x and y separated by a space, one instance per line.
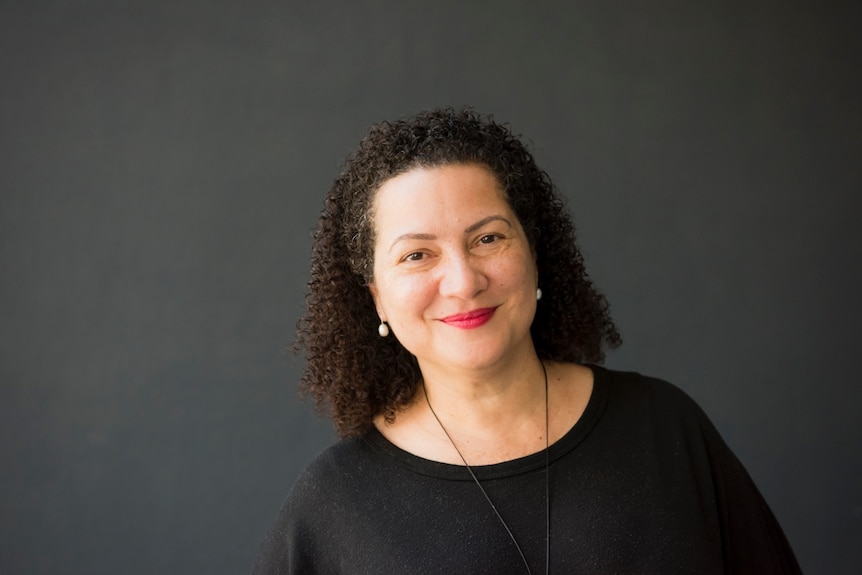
pixel 471 319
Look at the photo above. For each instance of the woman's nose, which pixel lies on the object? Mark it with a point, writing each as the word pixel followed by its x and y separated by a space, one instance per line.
pixel 461 277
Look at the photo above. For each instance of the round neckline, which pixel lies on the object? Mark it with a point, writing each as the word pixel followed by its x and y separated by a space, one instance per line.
pixel 571 439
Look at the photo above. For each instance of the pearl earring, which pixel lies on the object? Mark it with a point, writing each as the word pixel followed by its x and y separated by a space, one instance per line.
pixel 538 294
pixel 383 329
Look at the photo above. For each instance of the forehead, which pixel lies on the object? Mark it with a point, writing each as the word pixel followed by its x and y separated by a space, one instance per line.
pixel 438 195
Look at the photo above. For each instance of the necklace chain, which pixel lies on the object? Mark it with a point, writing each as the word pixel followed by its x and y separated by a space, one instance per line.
pixel 491 503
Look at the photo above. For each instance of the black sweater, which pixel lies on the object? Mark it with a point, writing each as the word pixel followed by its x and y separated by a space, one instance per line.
pixel 642 483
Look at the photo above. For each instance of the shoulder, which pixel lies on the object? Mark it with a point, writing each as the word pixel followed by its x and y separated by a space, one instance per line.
pixel 635 390
pixel 633 403
pixel 337 467
pixel 313 505
pixel 663 421
pixel 654 420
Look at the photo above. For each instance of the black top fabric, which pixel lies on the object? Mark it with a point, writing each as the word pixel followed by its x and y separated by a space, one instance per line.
pixel 642 483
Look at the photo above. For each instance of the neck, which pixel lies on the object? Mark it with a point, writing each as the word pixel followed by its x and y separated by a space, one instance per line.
pixel 480 397
pixel 491 416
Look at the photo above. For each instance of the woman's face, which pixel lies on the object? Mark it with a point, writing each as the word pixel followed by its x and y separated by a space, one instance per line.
pixel 454 275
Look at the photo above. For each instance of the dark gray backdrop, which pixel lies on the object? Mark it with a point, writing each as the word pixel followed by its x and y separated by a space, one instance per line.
pixel 163 163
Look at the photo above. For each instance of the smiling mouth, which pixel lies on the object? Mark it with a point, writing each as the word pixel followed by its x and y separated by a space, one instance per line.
pixel 470 320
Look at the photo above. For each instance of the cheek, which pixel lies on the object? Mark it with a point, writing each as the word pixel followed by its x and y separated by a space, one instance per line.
pixel 405 295
pixel 517 274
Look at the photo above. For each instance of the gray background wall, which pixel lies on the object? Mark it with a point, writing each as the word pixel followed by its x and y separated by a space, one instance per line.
pixel 162 165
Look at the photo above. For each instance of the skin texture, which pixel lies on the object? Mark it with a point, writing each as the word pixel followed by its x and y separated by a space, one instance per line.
pixel 454 274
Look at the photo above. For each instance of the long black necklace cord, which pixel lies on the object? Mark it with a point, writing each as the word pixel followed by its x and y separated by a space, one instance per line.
pixel 491 503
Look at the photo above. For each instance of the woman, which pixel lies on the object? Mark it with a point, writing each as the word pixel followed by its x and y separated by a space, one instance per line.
pixel 452 334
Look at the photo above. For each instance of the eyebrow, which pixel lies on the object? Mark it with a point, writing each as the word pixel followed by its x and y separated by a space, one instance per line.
pixel 483 221
pixel 469 229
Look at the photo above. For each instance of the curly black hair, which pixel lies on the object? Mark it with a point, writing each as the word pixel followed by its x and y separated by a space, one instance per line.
pixel 354 375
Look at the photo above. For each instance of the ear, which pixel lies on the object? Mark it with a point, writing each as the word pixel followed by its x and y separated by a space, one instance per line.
pixel 536 265
pixel 375 295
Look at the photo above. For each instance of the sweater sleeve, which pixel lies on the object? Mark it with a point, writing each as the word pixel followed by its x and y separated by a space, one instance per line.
pixel 314 531
pixel 281 552
pixel 752 539
pixel 292 545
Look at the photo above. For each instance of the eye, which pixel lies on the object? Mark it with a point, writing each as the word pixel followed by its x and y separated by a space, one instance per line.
pixel 489 239
pixel 414 257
